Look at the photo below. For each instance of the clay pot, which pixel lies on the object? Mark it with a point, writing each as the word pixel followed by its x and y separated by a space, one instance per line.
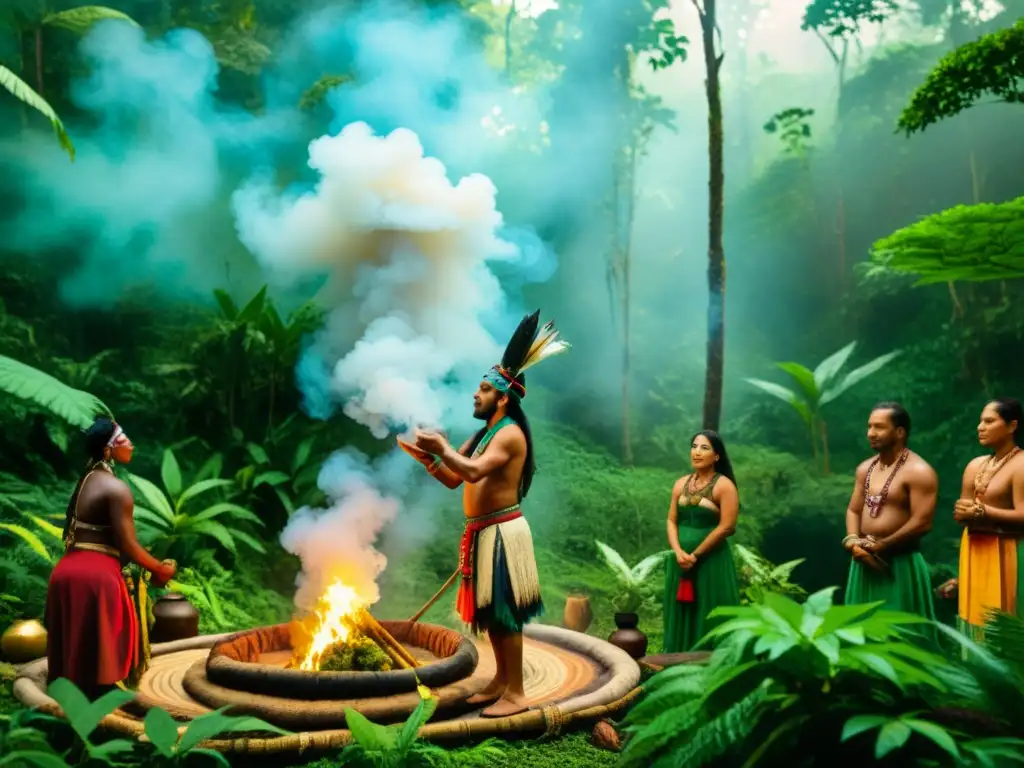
pixel 627 636
pixel 23 641
pixel 577 615
pixel 174 618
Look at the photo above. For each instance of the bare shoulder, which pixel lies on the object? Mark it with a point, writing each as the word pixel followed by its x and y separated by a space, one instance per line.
pixel 862 468
pixel 975 464
pixel 116 488
pixel 723 486
pixel 511 437
pixel 920 471
pixel 679 485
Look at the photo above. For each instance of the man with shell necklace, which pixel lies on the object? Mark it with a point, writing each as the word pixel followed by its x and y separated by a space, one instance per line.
pixel 892 507
pixel 500 588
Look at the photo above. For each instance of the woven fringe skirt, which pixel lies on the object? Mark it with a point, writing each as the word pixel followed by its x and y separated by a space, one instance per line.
pixel 507 584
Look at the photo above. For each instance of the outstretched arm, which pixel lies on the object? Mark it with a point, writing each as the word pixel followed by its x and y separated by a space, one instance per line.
pixel 505 445
pixel 728 502
pixel 924 492
pixel 443 474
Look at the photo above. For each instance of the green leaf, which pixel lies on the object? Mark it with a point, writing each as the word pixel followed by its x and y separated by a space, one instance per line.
pixel 251 542
pixel 153 496
pixel 285 500
pixel 841 616
pixel 775 390
pixel 804 379
pixel 936 734
pixel 47 527
pixel 170 473
pixel 858 724
pixel 234 511
pixel 228 309
pixel 214 723
pixel 80 20
pixel 211 468
pixel 161 730
pixel 152 519
pixel 257 453
pixel 216 531
pixel 857 375
pixel 302 454
pixel 201 487
pixel 23 92
pixel 23 758
pixel 614 561
pixel 829 368
pixel 892 736
pixel 29 538
pixel 251 312
pixel 369 735
pixel 271 478
pixel 27 383
pixel 83 715
pixel 106 751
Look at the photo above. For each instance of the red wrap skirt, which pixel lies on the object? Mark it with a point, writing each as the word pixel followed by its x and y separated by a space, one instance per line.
pixel 91 624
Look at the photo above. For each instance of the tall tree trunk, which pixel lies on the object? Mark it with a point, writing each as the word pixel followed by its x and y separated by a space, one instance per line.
pixel 627 265
pixel 716 251
pixel 509 18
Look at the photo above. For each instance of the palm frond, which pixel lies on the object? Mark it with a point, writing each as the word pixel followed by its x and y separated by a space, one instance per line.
pixel 23 92
pixel 76 407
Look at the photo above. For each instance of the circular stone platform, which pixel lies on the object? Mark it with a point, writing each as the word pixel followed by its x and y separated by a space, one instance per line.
pixel 570 678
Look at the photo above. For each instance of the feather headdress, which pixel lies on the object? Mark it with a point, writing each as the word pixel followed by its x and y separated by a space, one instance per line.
pixel 527 347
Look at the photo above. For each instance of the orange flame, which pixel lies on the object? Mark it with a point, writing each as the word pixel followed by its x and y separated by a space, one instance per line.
pixel 331 622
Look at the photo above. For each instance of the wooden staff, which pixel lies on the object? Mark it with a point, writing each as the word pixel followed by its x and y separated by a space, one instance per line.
pixel 384 638
pixel 437 596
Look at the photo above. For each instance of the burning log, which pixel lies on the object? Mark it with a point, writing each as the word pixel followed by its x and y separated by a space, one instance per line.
pixel 387 643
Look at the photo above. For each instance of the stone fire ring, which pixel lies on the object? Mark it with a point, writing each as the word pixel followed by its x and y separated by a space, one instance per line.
pixel 572 680
pixel 237 664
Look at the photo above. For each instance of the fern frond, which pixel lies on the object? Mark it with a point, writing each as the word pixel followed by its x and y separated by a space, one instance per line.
pixel 614 561
pixel 1004 638
pixel 76 407
pixel 729 730
pixel 648 740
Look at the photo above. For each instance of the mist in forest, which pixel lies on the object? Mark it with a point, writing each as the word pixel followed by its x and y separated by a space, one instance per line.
pixel 153 199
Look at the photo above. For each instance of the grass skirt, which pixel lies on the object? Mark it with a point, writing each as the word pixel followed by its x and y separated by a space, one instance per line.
pixel 507 584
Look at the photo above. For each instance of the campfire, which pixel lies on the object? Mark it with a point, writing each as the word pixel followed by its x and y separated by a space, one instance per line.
pixel 340 635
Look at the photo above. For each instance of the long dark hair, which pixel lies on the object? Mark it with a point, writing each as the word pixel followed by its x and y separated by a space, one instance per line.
pixel 723 466
pixel 1009 410
pixel 514 410
pixel 96 438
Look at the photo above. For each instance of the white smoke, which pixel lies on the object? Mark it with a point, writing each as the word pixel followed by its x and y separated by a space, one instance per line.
pixel 410 249
pixel 406 252
pixel 337 543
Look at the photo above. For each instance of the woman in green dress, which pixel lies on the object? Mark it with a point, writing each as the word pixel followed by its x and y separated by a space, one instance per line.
pixel 700 574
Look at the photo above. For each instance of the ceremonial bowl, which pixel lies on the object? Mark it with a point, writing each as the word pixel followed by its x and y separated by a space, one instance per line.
pixel 23 641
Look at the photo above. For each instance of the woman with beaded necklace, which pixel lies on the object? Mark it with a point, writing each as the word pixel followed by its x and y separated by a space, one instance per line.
pixel 991 509
pixel 90 617
pixel 700 573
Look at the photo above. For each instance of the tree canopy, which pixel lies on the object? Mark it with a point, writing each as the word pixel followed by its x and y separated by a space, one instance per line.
pixel 991 65
pixel 968 242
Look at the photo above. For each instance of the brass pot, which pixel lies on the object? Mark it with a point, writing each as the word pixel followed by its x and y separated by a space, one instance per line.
pixel 23 641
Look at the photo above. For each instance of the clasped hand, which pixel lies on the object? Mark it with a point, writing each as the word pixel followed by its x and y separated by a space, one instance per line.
pixel 965 510
pixel 432 442
pixel 686 561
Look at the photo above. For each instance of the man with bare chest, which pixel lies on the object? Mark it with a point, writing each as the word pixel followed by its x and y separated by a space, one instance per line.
pixel 892 507
pixel 991 509
pixel 500 588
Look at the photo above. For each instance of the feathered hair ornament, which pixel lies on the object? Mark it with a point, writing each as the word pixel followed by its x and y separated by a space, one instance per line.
pixel 527 347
